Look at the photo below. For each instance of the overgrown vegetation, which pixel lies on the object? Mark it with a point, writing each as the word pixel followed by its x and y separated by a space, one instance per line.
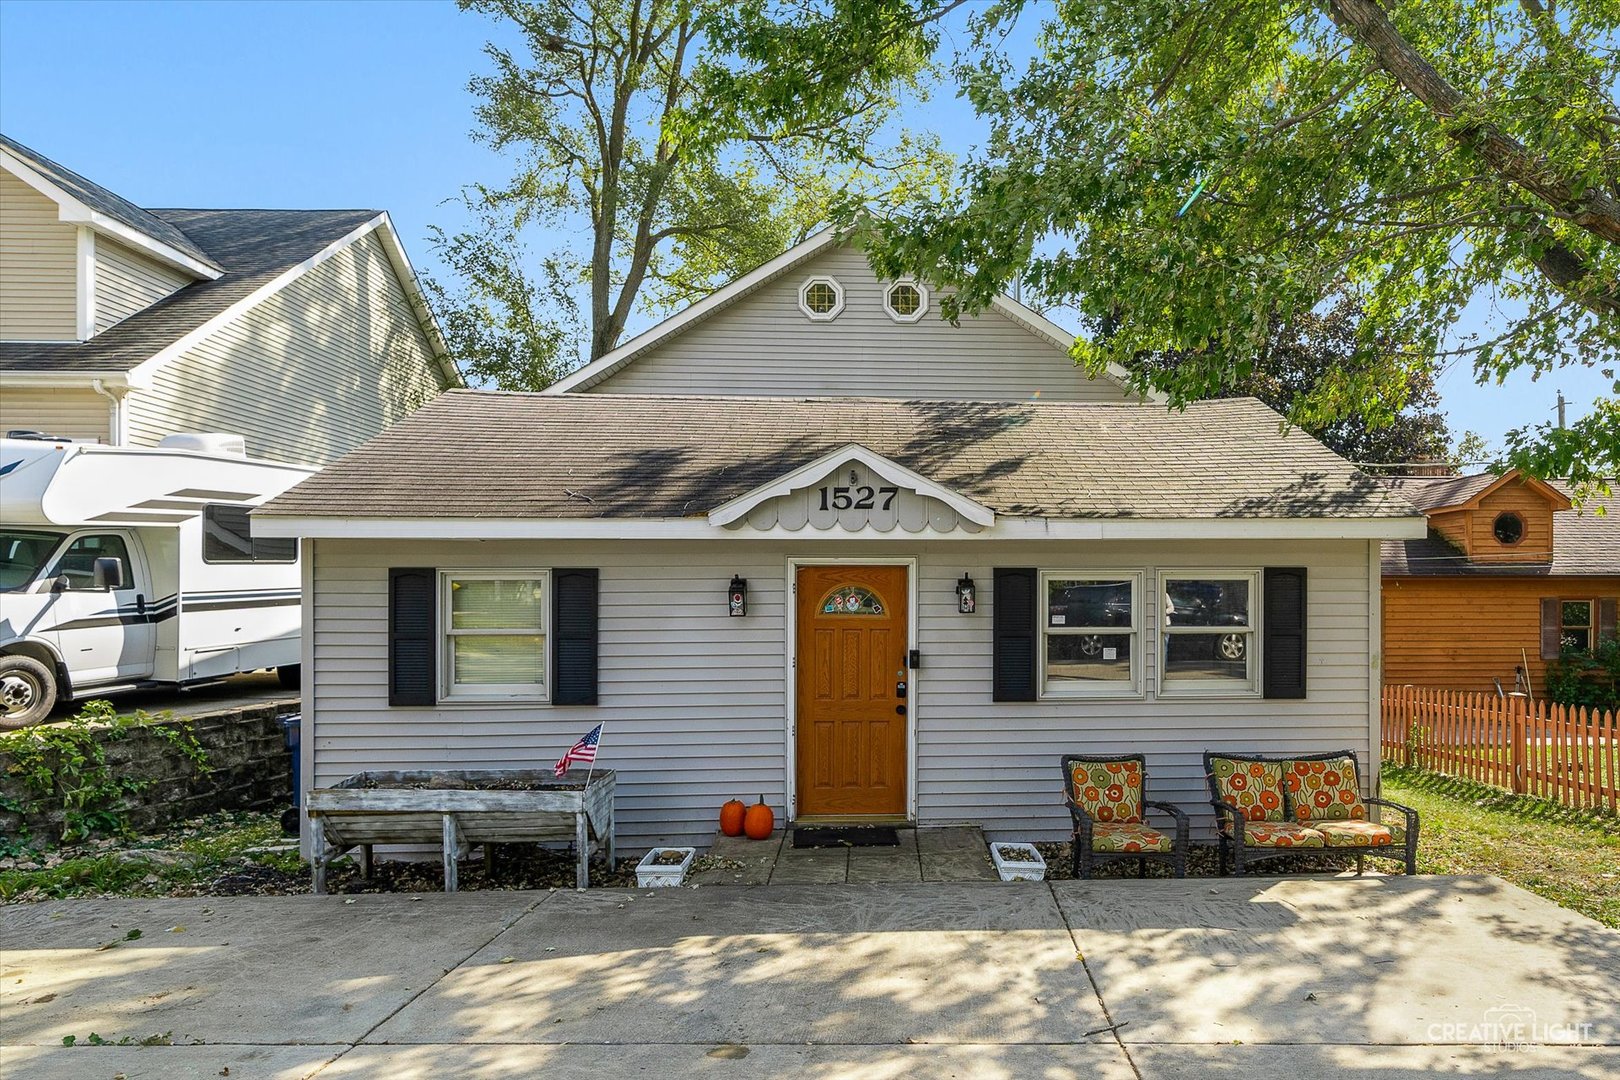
pixel 1591 678
pixel 1571 857
pixel 221 854
pixel 64 765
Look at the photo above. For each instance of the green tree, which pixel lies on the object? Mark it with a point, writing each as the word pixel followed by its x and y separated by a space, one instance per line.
pixel 1191 173
pixel 683 142
pixel 1322 345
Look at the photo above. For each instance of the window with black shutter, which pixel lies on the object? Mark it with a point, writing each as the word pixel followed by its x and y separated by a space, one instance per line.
pixel 413 635
pixel 1283 632
pixel 1014 628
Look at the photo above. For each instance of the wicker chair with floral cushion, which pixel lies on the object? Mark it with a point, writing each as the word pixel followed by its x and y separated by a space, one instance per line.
pixel 1267 807
pixel 1105 798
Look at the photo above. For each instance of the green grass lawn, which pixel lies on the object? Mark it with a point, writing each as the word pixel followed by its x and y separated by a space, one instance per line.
pixel 1570 857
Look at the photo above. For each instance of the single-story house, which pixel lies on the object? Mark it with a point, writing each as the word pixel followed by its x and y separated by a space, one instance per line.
pixel 869 565
pixel 1509 576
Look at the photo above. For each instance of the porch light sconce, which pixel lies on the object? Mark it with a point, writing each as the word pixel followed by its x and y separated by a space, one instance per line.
pixel 966 595
pixel 737 597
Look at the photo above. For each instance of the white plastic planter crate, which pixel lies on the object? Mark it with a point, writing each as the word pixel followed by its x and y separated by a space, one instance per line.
pixel 1022 863
pixel 651 875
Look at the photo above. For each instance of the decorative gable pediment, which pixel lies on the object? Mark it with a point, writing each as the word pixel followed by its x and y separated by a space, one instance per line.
pixel 853 490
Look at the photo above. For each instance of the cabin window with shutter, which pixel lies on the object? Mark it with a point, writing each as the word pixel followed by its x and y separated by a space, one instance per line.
pixel 494 627
pixel 1208 622
pixel 1090 635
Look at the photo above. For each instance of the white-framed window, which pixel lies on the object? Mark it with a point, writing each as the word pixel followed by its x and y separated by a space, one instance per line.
pixel 1091 633
pixel 821 298
pixel 494 624
pixel 1209 620
pixel 906 301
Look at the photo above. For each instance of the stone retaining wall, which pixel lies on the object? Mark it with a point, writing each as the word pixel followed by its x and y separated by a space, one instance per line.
pixel 249 770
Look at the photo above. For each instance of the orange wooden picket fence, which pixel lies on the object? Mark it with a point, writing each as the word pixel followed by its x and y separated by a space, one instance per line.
pixel 1567 754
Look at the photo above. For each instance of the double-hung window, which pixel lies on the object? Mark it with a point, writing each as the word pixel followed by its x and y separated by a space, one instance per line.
pixel 1090 634
pixel 1575 624
pixel 1208 624
pixel 494 626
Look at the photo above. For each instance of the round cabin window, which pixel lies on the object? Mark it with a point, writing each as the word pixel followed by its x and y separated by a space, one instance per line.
pixel 821 298
pixel 1509 528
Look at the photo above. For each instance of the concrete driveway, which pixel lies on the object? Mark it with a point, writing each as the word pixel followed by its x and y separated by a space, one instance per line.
pixel 1298 977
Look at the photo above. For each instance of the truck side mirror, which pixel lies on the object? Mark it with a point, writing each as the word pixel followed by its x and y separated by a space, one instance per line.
pixel 60 583
pixel 108 573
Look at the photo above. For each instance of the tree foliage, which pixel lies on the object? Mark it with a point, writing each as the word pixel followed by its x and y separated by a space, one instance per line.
pixel 1192 174
pixel 683 142
pixel 1299 356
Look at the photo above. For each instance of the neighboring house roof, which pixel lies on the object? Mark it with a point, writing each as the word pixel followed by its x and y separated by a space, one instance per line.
pixel 99 200
pixel 609 364
pixel 253 247
pixel 471 455
pixel 1585 542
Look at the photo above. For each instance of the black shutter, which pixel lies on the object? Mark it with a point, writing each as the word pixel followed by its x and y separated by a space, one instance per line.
pixel 1014 627
pixel 413 635
pixel 1606 618
pixel 1552 628
pixel 573 637
pixel 1282 656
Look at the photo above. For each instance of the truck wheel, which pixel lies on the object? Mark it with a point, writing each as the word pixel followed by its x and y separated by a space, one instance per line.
pixel 27 692
pixel 288 676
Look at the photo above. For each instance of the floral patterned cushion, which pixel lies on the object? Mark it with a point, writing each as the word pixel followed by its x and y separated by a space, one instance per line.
pixel 1128 836
pixel 1281 834
pixel 1324 790
pixel 1358 834
pixel 1254 787
pixel 1108 790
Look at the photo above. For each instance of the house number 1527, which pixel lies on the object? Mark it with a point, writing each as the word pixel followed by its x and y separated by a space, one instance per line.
pixel 857 498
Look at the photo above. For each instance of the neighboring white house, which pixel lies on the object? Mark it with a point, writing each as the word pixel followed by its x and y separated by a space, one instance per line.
pixel 304 331
pixel 865 563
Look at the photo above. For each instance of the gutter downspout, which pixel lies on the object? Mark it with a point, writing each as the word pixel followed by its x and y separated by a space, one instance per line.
pixel 115 412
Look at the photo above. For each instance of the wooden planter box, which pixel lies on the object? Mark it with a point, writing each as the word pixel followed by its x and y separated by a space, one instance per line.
pixel 458 809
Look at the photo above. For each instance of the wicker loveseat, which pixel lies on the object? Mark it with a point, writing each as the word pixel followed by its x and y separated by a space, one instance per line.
pixel 1266 807
pixel 1105 799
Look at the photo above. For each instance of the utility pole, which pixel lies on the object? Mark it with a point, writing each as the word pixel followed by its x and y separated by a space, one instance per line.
pixel 1560 410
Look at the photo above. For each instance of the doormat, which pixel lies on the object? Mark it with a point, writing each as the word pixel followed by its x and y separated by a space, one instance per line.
pixel 847 836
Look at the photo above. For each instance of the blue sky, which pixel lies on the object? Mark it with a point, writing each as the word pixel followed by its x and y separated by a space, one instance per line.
pixel 303 104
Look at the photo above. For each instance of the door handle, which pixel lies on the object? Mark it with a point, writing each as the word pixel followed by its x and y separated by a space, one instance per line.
pixel 140 603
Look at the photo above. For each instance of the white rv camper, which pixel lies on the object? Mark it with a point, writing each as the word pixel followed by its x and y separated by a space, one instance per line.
pixel 125 567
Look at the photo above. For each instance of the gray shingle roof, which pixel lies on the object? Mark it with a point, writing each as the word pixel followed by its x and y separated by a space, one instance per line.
pixel 1585 544
pixel 106 202
pixel 253 247
pixel 472 454
pixel 1433 492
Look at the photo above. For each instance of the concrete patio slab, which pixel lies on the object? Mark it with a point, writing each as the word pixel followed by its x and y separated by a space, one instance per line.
pixel 1301 977
pixel 831 964
pixel 733 1062
pixel 166 1062
pixel 1372 960
pixel 233 970
pixel 737 860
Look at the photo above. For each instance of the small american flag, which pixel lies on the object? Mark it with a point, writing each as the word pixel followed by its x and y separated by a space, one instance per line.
pixel 582 751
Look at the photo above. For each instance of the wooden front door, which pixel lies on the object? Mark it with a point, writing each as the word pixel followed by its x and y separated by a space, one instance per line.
pixel 851 746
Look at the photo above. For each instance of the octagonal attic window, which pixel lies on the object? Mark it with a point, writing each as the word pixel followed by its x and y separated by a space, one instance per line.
pixel 1508 528
pixel 821 298
pixel 906 301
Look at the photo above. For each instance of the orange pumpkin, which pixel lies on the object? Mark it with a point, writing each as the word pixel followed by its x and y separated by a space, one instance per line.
pixel 759 821
pixel 731 818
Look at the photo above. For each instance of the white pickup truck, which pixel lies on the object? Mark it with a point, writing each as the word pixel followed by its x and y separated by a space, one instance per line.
pixel 126 567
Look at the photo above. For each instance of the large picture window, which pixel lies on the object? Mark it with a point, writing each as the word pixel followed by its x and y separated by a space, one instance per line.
pixel 494 628
pixel 1090 636
pixel 1208 623
pixel 227 537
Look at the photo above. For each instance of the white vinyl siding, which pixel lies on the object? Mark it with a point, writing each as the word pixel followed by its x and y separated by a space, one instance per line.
pixel 71 413
pixel 128 281
pixel 308 374
pixel 765 345
pixel 38 267
pixel 696 702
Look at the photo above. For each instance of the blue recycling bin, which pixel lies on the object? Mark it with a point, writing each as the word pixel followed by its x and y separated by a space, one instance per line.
pixel 291 733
